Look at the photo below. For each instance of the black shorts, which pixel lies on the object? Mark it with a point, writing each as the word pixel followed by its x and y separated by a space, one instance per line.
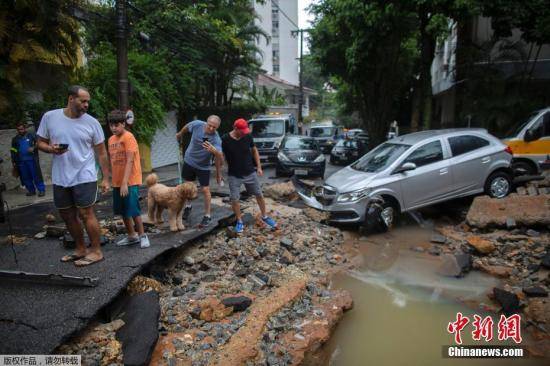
pixel 81 196
pixel 189 174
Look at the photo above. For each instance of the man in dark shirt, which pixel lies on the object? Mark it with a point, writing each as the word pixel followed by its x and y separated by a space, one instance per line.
pixel 243 161
pixel 24 157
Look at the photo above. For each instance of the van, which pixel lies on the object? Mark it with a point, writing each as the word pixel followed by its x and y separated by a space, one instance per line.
pixel 530 143
pixel 268 132
pixel 326 136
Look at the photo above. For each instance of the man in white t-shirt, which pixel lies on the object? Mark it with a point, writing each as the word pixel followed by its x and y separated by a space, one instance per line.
pixel 73 136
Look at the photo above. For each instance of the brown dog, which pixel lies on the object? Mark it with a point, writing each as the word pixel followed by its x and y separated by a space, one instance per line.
pixel 160 197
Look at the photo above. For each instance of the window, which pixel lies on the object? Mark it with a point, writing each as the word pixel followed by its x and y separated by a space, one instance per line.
pixel 464 144
pixel 276 68
pixel 427 154
pixel 275 26
pixel 542 127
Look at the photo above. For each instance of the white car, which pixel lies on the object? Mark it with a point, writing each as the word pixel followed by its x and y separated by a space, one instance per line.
pixel 414 171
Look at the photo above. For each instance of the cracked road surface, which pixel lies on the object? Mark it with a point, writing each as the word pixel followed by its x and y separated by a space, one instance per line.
pixel 36 318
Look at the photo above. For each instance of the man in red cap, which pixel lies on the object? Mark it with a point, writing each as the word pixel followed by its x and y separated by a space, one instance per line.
pixel 243 162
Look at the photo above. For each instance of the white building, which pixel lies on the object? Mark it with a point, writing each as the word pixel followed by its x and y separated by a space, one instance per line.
pixel 280 54
pixel 279 18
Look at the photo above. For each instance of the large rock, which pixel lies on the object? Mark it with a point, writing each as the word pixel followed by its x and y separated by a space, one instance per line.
pixel 497 271
pixel 455 265
pixel 238 303
pixel 508 300
pixel 483 246
pixel 538 309
pixel 281 191
pixel 139 334
pixel 524 210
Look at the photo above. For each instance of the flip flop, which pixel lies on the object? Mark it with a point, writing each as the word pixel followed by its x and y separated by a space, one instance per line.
pixel 71 258
pixel 86 262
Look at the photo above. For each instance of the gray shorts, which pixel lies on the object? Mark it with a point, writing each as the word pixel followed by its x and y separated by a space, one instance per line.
pixel 251 183
pixel 81 196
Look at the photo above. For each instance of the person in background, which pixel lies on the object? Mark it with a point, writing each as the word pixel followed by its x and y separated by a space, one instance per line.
pixel 24 157
pixel 126 179
pixel 243 164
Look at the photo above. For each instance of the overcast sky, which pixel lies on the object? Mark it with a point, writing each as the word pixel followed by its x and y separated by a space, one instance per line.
pixel 304 18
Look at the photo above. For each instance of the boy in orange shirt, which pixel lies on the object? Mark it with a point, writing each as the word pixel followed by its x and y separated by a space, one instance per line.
pixel 126 179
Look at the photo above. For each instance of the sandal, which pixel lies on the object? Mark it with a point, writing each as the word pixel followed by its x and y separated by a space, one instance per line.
pixel 71 257
pixel 86 262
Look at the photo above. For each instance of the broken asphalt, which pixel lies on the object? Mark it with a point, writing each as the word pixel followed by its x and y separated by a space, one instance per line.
pixel 36 318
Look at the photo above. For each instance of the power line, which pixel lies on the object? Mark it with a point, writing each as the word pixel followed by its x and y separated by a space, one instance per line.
pixel 273 2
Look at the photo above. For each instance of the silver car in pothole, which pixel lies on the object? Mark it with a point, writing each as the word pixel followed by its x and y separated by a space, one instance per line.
pixel 413 171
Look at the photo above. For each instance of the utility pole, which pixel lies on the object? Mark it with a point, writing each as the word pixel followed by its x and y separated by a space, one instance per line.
pixel 301 87
pixel 122 55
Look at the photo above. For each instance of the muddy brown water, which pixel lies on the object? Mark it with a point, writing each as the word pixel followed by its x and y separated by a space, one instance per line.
pixel 402 307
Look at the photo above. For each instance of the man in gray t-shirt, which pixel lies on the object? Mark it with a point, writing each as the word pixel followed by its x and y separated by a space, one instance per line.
pixel 205 143
pixel 75 137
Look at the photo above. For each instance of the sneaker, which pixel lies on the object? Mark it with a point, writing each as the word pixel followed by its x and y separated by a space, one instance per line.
pixel 29 194
pixel 41 194
pixel 206 220
pixel 128 241
pixel 239 227
pixel 144 241
pixel 186 212
pixel 270 222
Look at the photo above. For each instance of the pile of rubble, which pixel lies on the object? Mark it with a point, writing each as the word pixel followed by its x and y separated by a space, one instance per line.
pixel 509 239
pixel 258 297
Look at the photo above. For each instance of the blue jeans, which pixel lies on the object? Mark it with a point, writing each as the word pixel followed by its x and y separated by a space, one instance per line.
pixel 29 176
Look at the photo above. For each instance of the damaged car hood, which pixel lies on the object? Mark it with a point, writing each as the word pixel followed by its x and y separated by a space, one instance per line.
pixel 348 179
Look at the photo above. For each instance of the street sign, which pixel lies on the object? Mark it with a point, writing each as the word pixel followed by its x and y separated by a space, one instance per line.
pixel 130 117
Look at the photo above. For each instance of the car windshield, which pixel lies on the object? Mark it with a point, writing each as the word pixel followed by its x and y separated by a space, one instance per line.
pixel 267 128
pixel 347 143
pixel 300 143
pixel 516 128
pixel 380 158
pixel 322 131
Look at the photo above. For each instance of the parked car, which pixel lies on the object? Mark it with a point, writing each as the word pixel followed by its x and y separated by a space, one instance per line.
pixel 530 143
pixel 363 137
pixel 413 171
pixel 347 151
pixel 326 136
pixel 300 155
pixel 353 132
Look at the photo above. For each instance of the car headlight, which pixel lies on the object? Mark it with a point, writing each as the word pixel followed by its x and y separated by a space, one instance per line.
pixel 330 142
pixel 353 196
pixel 319 159
pixel 283 157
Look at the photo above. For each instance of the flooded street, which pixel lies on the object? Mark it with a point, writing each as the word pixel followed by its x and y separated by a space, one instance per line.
pixel 402 306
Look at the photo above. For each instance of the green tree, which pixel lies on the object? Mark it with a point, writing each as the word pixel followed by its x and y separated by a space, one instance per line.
pixel 368 45
pixel 38 30
pixel 152 88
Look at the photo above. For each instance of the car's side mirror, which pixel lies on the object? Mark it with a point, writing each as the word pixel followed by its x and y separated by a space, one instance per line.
pixel 531 135
pixel 405 168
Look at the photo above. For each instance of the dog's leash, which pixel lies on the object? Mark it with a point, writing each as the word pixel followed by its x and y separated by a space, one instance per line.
pixel 180 180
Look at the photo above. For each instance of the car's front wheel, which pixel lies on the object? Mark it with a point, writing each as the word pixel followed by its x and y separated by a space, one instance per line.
pixel 498 185
pixel 380 216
